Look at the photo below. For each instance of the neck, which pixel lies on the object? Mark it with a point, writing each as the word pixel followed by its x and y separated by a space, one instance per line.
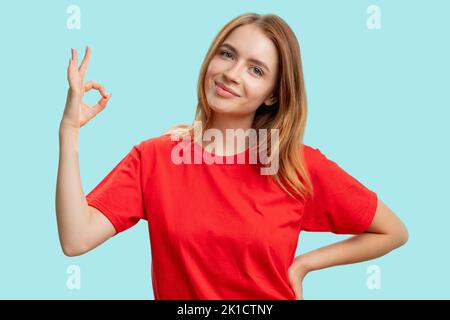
pixel 222 122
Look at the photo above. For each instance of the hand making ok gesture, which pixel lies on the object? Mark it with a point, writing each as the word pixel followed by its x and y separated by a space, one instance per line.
pixel 77 113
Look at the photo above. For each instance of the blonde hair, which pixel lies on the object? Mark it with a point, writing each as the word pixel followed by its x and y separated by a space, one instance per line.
pixel 288 114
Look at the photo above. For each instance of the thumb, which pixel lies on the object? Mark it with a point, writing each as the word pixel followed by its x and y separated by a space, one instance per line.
pixel 298 290
pixel 296 285
pixel 101 104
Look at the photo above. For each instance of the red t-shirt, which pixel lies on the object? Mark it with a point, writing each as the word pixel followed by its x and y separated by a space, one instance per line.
pixel 224 231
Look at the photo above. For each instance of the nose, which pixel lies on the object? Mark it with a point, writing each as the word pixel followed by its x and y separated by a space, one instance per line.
pixel 232 73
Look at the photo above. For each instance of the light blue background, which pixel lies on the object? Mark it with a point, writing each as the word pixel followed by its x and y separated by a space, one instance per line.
pixel 378 106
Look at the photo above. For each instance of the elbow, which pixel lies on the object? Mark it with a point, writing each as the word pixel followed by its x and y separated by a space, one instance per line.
pixel 71 251
pixel 405 238
pixel 402 237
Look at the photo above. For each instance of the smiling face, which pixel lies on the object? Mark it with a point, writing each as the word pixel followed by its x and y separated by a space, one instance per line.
pixel 247 63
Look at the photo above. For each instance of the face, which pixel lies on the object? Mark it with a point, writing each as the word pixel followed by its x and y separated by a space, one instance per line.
pixel 234 66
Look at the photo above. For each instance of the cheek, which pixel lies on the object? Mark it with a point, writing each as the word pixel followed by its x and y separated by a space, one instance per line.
pixel 211 73
pixel 256 90
pixel 215 66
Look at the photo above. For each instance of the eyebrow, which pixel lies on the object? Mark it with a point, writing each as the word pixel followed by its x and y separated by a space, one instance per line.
pixel 229 46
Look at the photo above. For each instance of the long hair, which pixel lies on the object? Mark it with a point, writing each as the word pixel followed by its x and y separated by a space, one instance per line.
pixel 287 114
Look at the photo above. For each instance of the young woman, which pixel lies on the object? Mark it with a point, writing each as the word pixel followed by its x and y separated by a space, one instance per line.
pixel 220 229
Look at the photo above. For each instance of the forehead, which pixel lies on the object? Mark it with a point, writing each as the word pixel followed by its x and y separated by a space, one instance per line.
pixel 251 42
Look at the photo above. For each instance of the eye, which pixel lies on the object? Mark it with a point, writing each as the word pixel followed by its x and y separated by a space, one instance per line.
pixel 259 71
pixel 226 52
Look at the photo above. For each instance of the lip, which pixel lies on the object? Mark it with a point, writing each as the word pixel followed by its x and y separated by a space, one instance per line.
pixel 225 88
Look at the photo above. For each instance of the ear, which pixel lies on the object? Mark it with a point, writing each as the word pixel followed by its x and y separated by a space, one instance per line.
pixel 270 100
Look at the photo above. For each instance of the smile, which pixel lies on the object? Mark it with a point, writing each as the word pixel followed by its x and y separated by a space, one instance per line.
pixel 223 92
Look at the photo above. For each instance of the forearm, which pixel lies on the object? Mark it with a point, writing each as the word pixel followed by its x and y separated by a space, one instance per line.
pixel 362 247
pixel 71 205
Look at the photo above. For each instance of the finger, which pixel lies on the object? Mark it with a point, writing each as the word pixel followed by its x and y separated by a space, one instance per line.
pixel 70 72
pixel 299 296
pixel 85 62
pixel 75 56
pixel 71 65
pixel 298 292
pixel 101 104
pixel 296 285
pixel 94 85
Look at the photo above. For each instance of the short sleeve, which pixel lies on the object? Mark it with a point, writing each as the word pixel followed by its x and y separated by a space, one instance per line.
pixel 119 195
pixel 340 203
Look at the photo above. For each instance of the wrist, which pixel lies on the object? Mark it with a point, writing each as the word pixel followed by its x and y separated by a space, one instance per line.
pixel 66 128
pixel 303 264
pixel 74 93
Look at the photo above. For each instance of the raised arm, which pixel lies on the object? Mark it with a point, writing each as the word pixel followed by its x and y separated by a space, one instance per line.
pixel 80 227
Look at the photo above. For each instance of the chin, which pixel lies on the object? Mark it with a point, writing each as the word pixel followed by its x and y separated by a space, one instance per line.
pixel 221 108
pixel 219 105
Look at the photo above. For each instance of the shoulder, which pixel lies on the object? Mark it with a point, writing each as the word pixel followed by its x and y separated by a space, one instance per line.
pixel 309 152
pixel 156 143
pixel 321 168
pixel 314 159
pixel 326 174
